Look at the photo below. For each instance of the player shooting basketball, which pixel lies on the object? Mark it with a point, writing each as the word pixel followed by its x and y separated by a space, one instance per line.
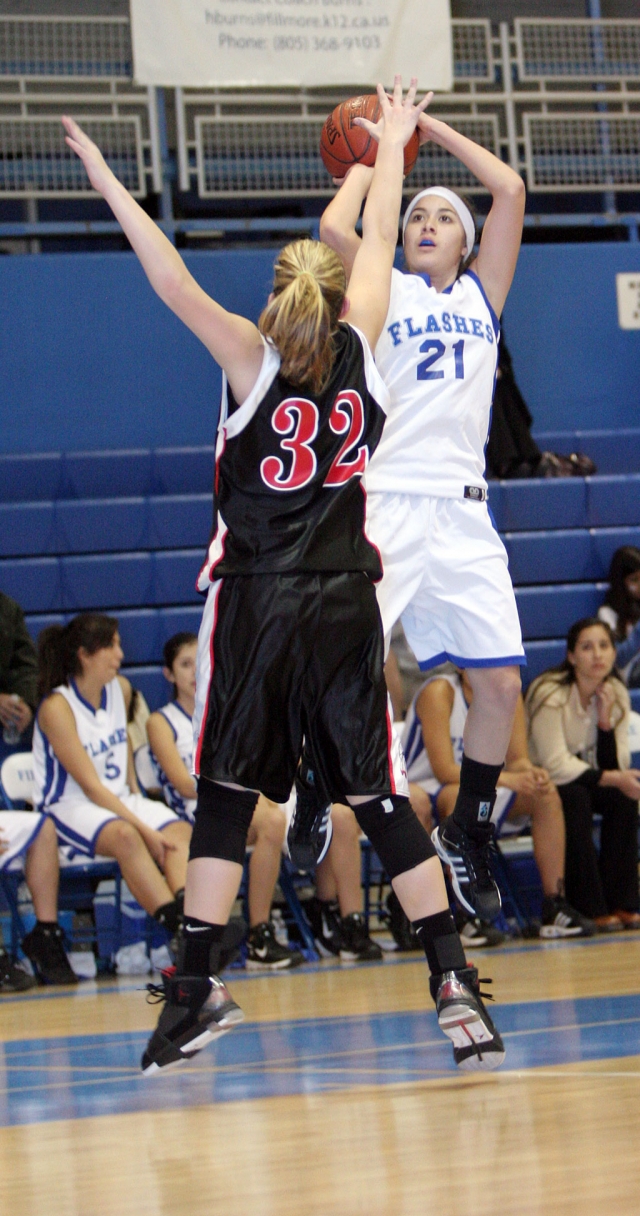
pixel 291 642
pixel 445 567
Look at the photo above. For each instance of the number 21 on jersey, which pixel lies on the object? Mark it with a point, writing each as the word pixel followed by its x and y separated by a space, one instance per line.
pixel 297 418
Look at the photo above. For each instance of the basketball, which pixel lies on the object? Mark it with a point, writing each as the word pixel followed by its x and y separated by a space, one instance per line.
pixel 343 144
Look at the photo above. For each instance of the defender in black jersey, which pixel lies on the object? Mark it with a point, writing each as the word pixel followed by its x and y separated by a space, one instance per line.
pixel 291 640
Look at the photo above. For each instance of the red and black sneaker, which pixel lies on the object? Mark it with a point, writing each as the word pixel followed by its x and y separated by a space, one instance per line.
pixel 198 1009
pixel 477 1045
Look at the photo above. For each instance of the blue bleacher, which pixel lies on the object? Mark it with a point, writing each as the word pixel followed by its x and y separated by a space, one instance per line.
pixel 126 532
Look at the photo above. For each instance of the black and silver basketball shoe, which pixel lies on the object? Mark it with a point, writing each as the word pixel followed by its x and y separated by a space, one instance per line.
pixel 310 830
pixel 477 1045
pixel 198 1010
pixel 469 864
pixel 559 919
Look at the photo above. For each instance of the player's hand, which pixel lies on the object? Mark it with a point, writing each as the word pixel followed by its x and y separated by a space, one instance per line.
pixel 98 171
pixel 399 116
pixel 14 711
pixel 4 843
pixel 605 700
pixel 628 782
pixel 158 846
pixel 521 783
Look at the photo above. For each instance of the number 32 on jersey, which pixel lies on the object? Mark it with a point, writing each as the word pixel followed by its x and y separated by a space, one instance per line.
pixel 297 418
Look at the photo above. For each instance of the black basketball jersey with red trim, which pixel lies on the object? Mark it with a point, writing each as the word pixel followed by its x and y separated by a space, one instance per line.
pixel 288 495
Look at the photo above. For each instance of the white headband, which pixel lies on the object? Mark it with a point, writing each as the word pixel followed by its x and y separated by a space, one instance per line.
pixel 460 208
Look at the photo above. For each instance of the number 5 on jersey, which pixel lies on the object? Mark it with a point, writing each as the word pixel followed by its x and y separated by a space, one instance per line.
pixel 297 418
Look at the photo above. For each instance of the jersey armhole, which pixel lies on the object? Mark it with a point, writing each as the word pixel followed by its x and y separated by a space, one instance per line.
pixel 495 320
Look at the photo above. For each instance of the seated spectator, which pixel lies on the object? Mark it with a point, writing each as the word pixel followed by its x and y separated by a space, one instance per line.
pixel 32 838
pixel 579 730
pixel 335 913
pixel 170 735
pixel 84 767
pixel 18 677
pixel 432 741
pixel 621 610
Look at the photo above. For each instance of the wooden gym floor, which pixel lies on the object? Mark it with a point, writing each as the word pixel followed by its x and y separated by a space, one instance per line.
pixel 337 1097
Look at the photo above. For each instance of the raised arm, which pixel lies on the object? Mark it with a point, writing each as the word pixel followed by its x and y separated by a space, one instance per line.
pixel 233 341
pixel 370 282
pixel 338 221
pixel 502 232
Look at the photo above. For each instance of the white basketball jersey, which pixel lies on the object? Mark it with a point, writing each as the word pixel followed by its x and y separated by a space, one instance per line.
pixel 102 733
pixel 438 358
pixel 418 764
pixel 182 726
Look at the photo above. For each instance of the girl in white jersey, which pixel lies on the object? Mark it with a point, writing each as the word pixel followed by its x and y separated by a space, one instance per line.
pixel 445 568
pixel 84 772
pixel 170 732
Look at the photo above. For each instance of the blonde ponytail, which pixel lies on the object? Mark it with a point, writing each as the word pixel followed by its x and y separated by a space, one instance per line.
pixel 309 289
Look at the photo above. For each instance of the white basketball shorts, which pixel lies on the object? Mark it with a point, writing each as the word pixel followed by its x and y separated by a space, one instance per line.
pixel 446 577
pixel 18 830
pixel 79 823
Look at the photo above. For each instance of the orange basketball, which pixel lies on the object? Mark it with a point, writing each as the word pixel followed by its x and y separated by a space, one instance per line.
pixel 343 144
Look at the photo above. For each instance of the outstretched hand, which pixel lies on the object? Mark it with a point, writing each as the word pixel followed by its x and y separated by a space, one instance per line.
pixel 97 168
pixel 400 114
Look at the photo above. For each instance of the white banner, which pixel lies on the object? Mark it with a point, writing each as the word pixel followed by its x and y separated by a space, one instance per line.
pixel 242 43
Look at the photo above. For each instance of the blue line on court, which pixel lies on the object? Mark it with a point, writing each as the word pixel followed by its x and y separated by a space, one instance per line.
pixel 82 1076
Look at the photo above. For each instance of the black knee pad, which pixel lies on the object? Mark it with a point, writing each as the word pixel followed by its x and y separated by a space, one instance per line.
pixel 395 832
pixel 222 821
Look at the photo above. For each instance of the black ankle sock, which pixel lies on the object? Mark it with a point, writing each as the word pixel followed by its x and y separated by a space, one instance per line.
pixel 476 796
pixel 440 941
pixel 199 956
pixel 169 916
pixel 46 924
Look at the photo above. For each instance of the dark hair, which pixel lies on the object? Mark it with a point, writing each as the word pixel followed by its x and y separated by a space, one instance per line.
pixel 625 561
pixel 173 647
pixel 58 647
pixel 564 674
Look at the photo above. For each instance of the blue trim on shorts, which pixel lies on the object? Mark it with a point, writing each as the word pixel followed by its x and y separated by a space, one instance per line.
pixel 7 859
pixel 75 840
pixel 509 660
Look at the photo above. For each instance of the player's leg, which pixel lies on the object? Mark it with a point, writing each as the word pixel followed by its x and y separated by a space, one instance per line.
pixel 354 749
pixel 544 809
pixel 266 836
pixel 336 914
pixel 44 945
pixel 244 724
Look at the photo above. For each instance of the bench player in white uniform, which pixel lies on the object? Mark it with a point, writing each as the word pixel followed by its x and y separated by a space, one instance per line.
pixel 170 732
pixel 432 739
pixel 28 844
pixel 84 769
pixel 445 568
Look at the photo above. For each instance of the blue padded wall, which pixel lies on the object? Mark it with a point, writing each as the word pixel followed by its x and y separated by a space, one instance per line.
pixel 92 360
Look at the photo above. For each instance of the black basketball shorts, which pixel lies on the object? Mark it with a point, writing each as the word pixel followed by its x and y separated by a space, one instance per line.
pixel 287 657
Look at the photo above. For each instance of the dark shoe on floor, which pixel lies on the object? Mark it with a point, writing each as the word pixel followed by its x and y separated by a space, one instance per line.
pixel 559 919
pixel 462 1016
pixel 324 918
pixel 630 920
pixel 474 932
pixel 310 830
pixel 198 1010
pixel 469 865
pixel 44 947
pixel 264 952
pixel 355 944
pixel 402 931
pixel 12 977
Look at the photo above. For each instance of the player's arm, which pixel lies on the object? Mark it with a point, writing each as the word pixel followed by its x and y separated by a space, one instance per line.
pixel 58 725
pixel 234 341
pixel 370 282
pixel 163 746
pixel 338 221
pixel 502 232
pixel 433 707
